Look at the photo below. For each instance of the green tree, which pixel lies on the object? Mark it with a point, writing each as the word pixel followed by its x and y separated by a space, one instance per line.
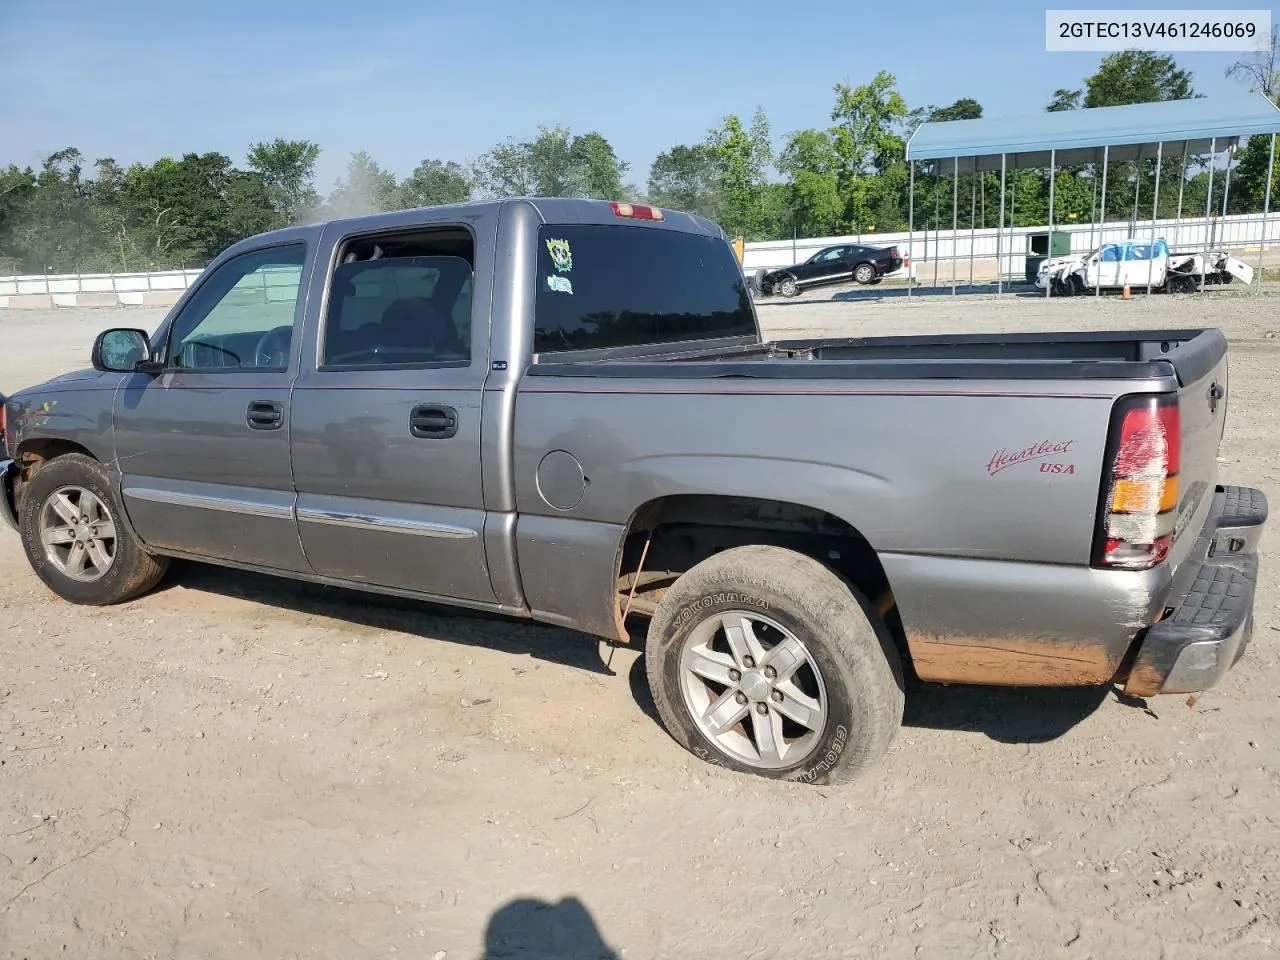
pixel 17 191
pixel 871 151
pixel 434 182
pixel 366 188
pixel 597 170
pixel 553 164
pixel 1136 76
pixel 1063 100
pixel 966 108
pixel 1261 72
pixel 1128 77
pixel 287 169
pixel 687 178
pixel 749 210
pixel 812 166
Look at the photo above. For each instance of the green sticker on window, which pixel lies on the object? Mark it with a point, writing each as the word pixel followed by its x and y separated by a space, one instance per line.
pixel 561 255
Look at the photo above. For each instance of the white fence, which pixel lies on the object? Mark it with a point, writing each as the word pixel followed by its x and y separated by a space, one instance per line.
pixel 1240 233
pixel 69 289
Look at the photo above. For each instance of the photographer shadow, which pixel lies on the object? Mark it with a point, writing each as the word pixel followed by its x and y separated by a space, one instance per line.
pixel 530 929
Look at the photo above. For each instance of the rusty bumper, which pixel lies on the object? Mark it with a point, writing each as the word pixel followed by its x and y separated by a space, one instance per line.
pixel 1210 618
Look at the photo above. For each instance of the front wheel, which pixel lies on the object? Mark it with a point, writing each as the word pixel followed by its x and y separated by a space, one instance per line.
pixel 762 660
pixel 75 536
pixel 788 287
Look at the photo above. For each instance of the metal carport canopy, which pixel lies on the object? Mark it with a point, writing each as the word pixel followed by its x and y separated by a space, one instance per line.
pixel 1079 136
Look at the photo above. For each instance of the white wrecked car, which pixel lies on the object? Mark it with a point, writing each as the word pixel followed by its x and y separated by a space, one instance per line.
pixel 1112 266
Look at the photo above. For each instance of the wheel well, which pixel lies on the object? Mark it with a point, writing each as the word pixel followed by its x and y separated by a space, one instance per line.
pixel 668 536
pixel 34 454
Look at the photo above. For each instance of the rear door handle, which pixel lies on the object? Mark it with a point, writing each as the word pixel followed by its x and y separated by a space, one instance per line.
pixel 265 415
pixel 433 421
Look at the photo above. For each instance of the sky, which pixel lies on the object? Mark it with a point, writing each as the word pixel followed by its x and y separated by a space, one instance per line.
pixel 139 79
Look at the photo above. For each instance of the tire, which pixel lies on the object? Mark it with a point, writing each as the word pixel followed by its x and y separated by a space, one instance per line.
pixel 874 281
pixel 864 273
pixel 787 287
pixel 122 568
pixel 851 670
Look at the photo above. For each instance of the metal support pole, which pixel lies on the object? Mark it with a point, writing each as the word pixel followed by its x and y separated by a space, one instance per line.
pixel 1226 190
pixel 1182 182
pixel 1093 208
pixel 1013 211
pixel 1053 171
pixel 1155 206
pixel 1208 208
pixel 973 217
pixel 911 217
pixel 1266 210
pixel 1102 227
pixel 1137 191
pixel 1000 227
pixel 937 188
pixel 955 217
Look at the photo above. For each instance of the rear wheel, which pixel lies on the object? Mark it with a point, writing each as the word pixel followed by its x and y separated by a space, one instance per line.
pixel 864 273
pixel 75 537
pixel 762 660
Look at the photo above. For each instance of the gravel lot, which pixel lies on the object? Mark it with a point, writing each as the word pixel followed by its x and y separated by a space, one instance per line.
pixel 239 767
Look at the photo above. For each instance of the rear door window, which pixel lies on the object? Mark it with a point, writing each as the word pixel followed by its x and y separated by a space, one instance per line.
pixel 610 286
pixel 399 311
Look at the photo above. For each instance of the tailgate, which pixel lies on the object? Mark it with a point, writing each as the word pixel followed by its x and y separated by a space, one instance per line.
pixel 1202 411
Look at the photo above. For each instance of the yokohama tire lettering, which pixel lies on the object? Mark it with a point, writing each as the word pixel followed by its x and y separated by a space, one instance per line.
pixel 829 760
pixel 714 599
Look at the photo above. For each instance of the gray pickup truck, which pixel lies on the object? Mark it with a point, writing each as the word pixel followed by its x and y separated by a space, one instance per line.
pixel 564 410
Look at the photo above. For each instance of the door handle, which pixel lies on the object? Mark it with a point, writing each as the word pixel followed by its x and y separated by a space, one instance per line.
pixel 265 415
pixel 433 421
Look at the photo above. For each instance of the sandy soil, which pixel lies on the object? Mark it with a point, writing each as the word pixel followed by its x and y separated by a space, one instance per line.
pixel 238 767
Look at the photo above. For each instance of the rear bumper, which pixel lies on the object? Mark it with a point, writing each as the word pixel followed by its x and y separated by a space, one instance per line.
pixel 1210 618
pixel 8 476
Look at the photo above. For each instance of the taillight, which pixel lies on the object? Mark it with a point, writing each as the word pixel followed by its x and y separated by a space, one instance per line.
pixel 1140 492
pixel 636 211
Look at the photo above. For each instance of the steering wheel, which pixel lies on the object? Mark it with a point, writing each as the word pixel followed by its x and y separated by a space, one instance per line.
pixel 272 349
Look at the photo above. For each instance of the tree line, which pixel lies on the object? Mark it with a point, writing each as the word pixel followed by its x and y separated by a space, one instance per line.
pixel 846 178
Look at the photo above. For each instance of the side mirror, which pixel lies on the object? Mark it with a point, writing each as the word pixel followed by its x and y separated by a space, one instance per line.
pixel 121 350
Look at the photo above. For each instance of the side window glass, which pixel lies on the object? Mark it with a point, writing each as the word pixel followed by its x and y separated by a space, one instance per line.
pixel 242 317
pixel 1110 255
pixel 399 311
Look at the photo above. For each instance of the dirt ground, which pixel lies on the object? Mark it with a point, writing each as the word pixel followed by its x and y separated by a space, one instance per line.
pixel 239 767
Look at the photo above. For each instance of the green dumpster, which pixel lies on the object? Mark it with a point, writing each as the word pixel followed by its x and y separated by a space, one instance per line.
pixel 1041 246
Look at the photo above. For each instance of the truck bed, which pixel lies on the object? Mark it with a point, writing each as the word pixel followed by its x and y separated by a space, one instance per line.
pixel 1188 354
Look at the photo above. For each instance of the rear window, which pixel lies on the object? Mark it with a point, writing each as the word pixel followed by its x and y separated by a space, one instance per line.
pixel 620 286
